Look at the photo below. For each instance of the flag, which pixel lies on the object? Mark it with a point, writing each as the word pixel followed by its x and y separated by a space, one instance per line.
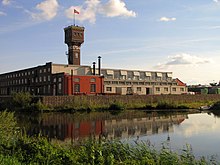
pixel 76 12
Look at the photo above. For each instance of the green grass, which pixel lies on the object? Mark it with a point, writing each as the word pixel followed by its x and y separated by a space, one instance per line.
pixel 97 152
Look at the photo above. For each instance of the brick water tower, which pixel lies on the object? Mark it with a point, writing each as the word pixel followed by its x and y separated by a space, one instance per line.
pixel 74 37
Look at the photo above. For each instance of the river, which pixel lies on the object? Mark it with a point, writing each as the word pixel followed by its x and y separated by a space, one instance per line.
pixel 200 130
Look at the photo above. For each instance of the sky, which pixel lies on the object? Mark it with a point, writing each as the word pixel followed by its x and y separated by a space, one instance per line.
pixel 176 36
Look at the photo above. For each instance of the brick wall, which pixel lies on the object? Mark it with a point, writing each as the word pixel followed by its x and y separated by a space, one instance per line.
pixel 128 99
pixel 103 100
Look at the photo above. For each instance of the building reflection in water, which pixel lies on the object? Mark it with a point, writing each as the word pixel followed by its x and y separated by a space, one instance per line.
pixel 65 126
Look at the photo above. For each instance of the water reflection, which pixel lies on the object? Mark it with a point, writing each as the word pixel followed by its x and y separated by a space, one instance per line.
pixel 201 130
pixel 74 127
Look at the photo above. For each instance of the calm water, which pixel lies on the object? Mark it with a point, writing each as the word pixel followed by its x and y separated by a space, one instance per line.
pixel 201 130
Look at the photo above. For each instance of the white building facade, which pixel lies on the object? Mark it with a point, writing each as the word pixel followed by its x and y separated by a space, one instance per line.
pixel 128 82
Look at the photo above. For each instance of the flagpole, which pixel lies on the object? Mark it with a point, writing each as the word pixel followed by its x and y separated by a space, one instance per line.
pixel 74 16
pixel 74 19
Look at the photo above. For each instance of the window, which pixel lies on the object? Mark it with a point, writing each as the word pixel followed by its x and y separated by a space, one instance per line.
pixel 60 79
pixel 59 87
pixel 93 88
pixel 174 89
pixel 166 89
pixel 157 89
pixel 139 89
pixel 158 78
pixel 48 78
pixel 182 89
pixel 129 89
pixel 45 78
pixel 109 89
pixel 48 89
pixel 44 89
pixel 77 88
pixel 76 79
pixel 92 80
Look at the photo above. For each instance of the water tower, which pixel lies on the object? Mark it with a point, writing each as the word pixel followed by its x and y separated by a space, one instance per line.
pixel 74 37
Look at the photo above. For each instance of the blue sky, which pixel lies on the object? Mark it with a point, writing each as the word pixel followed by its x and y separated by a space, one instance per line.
pixel 156 35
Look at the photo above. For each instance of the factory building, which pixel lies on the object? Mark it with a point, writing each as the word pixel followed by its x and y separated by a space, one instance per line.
pixel 74 78
pixel 125 82
pixel 52 79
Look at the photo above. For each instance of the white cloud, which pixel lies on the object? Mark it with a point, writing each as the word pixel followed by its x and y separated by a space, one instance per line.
pixel 166 19
pixel 90 9
pixel 6 2
pixel 87 11
pixel 216 1
pixel 114 8
pixel 48 10
pixel 184 59
pixel 2 13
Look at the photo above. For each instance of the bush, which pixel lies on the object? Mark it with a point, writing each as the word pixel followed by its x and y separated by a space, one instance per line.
pixel 22 100
pixel 8 128
pixel 8 160
pixel 39 106
pixel 165 105
pixel 116 106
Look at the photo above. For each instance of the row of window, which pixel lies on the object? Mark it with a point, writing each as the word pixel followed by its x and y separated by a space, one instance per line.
pixel 137 77
pixel 38 79
pixel 139 83
pixel 123 77
pixel 77 88
pixel 78 80
pixel 32 80
pixel 46 89
pixel 139 89
pixel 158 89
pixel 27 73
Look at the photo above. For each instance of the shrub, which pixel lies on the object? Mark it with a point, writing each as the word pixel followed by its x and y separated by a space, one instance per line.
pixel 21 100
pixel 39 106
pixel 116 106
pixel 165 105
pixel 8 128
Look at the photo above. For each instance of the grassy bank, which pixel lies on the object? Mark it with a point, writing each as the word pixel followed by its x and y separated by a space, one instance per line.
pixel 17 148
pixel 24 101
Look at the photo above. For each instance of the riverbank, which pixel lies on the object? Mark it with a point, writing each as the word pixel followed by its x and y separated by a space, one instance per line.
pixel 106 102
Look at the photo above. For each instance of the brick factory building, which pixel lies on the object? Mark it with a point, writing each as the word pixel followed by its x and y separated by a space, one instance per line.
pixel 52 79
pixel 74 78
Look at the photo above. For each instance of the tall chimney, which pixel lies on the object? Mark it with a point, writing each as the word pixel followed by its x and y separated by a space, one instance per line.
pixel 93 68
pixel 99 64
